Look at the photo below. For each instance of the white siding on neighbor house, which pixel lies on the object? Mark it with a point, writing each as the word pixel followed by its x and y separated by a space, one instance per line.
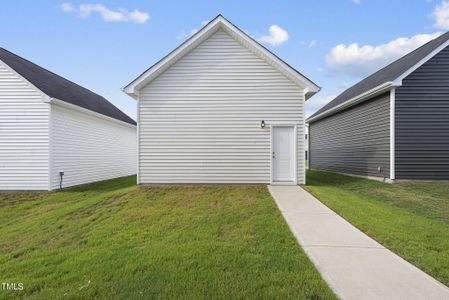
pixel 23 134
pixel 88 148
pixel 200 119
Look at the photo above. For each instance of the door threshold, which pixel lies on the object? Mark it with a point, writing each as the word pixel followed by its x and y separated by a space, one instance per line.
pixel 283 183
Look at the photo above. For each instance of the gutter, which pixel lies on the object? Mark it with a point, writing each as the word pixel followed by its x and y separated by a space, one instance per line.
pixel 380 89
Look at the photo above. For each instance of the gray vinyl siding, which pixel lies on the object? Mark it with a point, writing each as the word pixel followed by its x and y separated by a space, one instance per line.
pixel 354 141
pixel 422 121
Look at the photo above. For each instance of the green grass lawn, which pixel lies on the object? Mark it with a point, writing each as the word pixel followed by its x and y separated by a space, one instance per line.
pixel 116 240
pixel 411 219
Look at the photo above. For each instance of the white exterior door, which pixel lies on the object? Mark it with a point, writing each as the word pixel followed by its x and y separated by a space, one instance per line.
pixel 283 154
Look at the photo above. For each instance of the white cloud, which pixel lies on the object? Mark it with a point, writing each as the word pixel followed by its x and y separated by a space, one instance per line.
pixel 67 7
pixel 360 60
pixel 440 15
pixel 312 44
pixel 184 35
pixel 276 37
pixel 108 15
pixel 316 102
pixel 356 1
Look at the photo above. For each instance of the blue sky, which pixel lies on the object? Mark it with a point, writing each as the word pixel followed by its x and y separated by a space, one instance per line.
pixel 103 45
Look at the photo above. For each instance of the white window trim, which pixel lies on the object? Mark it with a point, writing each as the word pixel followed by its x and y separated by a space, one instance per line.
pixel 295 150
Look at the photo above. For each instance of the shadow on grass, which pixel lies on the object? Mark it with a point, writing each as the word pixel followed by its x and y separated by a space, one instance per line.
pixel 103 186
pixel 321 178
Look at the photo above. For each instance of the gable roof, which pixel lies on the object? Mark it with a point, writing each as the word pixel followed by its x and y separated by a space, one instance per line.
pixel 386 78
pixel 60 88
pixel 220 22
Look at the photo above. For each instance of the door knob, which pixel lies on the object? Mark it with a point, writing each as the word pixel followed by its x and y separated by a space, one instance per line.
pixel 273 154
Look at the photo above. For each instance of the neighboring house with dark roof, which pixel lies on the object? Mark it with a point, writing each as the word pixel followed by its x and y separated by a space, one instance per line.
pixel 50 125
pixel 393 124
pixel 221 108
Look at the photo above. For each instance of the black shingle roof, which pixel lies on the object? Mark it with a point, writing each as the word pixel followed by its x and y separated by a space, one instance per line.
pixel 60 88
pixel 386 74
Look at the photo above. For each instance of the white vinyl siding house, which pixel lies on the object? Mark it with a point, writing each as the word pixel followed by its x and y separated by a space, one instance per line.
pixel 200 118
pixel 88 147
pixel 41 136
pixel 23 134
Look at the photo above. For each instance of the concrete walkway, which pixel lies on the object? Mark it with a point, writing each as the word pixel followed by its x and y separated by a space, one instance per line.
pixel 354 265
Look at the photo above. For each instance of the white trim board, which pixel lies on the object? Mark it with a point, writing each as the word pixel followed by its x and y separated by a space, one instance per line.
pixel 138 142
pixel 220 23
pixel 385 87
pixel 392 133
pixel 305 147
pixel 50 145
pixel 398 81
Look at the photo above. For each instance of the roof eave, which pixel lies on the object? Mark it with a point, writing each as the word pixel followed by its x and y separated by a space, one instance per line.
pixel 130 92
pixel 382 88
pixel 144 78
pixel 309 93
pixel 397 82
pixel 219 22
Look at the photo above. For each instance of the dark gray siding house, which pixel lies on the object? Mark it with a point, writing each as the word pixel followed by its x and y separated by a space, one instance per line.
pixel 393 124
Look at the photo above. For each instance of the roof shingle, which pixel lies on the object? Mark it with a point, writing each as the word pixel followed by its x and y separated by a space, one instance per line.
pixel 386 74
pixel 60 88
